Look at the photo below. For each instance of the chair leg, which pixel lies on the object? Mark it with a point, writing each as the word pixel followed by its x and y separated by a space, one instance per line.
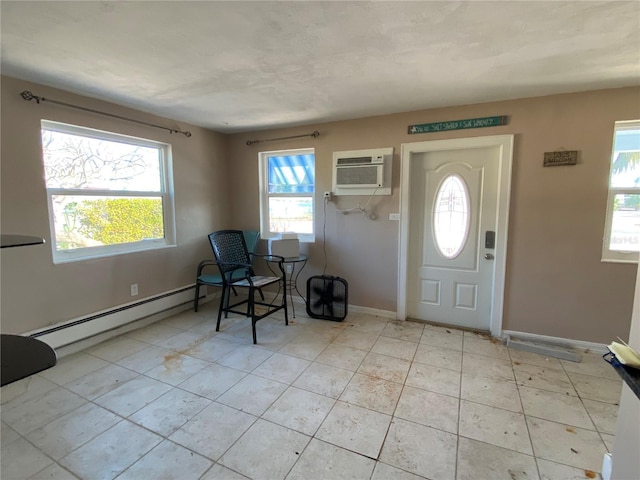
pixel 253 330
pixel 261 294
pixel 251 311
pixel 226 300
pixel 221 308
pixel 195 300
pixel 284 302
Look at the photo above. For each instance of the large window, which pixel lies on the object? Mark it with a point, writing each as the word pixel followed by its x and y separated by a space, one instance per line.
pixel 622 226
pixel 108 194
pixel 287 185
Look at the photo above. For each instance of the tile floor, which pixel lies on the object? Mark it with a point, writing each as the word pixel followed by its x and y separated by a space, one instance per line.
pixel 363 399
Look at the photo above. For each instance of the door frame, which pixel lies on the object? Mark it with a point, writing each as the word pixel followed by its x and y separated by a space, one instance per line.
pixel 505 144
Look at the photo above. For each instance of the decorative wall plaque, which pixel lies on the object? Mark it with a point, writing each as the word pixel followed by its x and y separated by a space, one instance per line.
pixel 459 124
pixel 562 157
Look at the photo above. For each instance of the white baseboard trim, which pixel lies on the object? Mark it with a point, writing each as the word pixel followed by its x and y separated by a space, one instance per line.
pixel 77 334
pixel 372 311
pixel 89 342
pixel 600 348
pixel 301 302
pixel 104 324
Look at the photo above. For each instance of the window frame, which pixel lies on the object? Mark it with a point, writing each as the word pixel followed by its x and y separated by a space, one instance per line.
pixel 608 255
pixel 263 164
pixel 166 193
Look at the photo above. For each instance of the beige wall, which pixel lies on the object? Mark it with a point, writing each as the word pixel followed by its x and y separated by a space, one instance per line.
pixel 556 283
pixel 35 292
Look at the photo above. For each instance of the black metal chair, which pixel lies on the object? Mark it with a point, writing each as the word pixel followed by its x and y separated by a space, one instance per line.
pixel 233 257
pixel 207 278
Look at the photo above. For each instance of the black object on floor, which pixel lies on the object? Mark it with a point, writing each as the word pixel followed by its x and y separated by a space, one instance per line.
pixel 327 297
pixel 23 356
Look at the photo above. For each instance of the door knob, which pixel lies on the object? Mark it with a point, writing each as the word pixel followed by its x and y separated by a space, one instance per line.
pixel 488 256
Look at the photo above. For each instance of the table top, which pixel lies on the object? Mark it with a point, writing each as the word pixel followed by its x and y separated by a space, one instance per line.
pixel 8 240
pixel 631 376
pixel 299 258
pixel 23 356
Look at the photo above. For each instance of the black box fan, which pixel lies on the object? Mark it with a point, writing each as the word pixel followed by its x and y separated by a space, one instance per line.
pixel 327 297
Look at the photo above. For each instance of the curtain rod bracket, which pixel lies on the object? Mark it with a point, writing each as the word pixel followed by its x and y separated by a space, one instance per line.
pixel 28 96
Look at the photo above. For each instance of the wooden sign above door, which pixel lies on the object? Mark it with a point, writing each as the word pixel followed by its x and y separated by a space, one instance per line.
pixel 459 124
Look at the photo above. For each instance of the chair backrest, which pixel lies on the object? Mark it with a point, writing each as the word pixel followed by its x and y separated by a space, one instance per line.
pixel 229 247
pixel 251 238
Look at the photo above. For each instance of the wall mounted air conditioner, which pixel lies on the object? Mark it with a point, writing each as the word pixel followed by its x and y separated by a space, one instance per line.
pixel 362 172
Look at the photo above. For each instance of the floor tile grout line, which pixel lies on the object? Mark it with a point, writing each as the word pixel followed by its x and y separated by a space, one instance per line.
pixel 121 418
pixel 177 387
pixel 585 408
pixel 173 386
pixel 24 437
pixel 221 465
pixel 90 400
pixel 459 411
pixel 216 460
pixel 335 402
pixel 155 432
pixel 527 416
pixel 49 465
pixel 243 434
pixel 93 401
pixel 163 438
pixel 526 422
pixel 54 463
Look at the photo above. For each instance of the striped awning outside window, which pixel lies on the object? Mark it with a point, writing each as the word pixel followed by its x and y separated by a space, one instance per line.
pixel 292 174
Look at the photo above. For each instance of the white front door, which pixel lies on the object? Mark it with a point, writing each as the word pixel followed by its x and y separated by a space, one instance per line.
pixel 454 233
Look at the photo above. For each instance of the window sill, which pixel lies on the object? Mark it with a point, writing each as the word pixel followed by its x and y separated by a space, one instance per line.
pixel 301 239
pixel 60 258
pixel 617 260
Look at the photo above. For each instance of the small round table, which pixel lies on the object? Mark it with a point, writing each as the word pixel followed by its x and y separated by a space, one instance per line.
pixel 292 267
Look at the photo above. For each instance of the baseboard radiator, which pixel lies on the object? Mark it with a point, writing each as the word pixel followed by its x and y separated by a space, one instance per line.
pixel 114 319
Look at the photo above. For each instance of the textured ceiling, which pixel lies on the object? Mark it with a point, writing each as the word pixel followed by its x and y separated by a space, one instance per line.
pixel 239 66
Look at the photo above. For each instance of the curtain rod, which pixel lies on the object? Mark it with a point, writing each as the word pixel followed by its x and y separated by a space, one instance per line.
pixel 313 134
pixel 28 96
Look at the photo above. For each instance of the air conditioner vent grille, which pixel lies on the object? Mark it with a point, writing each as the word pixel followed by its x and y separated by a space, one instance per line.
pixel 365 176
pixel 354 160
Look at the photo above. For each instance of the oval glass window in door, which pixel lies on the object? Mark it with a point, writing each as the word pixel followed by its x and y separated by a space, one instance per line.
pixel 451 216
